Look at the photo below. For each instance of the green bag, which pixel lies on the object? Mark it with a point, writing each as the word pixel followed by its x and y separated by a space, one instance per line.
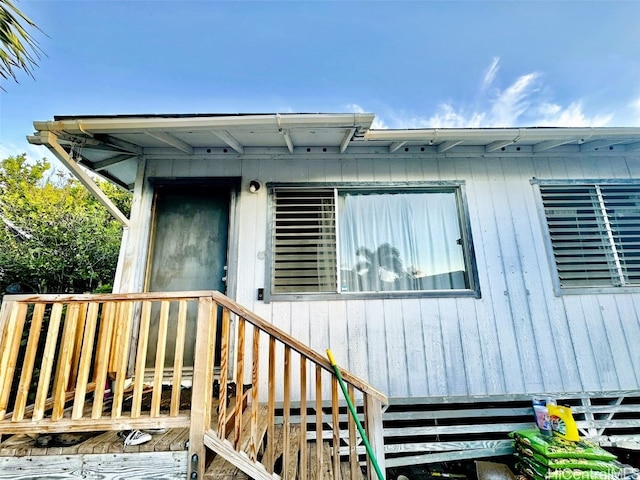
pixel 539 471
pixel 554 447
pixel 563 463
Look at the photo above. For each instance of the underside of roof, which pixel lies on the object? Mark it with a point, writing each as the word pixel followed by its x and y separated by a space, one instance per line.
pixel 112 146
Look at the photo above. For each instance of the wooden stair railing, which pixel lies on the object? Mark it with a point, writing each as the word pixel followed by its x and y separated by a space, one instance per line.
pixel 59 352
pixel 270 372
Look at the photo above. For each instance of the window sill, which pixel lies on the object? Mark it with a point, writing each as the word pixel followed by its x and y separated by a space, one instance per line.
pixel 595 290
pixel 310 297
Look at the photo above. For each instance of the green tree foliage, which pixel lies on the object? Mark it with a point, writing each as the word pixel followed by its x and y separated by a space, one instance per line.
pixel 18 50
pixel 54 235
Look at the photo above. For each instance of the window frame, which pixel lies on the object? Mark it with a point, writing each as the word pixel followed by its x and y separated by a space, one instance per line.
pixel 458 187
pixel 560 290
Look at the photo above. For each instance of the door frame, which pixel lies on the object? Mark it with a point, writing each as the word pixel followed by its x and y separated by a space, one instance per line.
pixel 233 184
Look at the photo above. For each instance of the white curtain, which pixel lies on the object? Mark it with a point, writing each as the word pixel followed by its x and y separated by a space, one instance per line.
pixel 400 241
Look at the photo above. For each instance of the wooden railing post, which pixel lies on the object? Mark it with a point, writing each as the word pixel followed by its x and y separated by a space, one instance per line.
pixel 9 354
pixel 375 434
pixel 202 390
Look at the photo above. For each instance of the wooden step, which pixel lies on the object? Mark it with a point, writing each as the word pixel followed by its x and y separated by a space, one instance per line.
pixel 219 468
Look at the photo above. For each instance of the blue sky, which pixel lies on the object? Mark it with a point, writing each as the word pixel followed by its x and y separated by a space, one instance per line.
pixel 413 64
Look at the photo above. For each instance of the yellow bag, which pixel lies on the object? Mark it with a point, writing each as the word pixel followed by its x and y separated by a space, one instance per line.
pixel 562 423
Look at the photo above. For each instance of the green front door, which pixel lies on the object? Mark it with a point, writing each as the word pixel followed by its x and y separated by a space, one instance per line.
pixel 188 248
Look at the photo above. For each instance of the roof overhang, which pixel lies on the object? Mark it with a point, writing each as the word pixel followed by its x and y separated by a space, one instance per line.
pixel 112 146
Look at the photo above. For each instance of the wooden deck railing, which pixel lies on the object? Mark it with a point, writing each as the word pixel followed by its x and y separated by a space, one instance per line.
pixel 59 353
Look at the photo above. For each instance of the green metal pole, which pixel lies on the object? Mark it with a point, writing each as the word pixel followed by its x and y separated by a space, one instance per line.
pixel 354 414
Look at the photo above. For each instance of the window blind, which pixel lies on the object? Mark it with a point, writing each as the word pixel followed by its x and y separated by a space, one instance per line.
pixel 304 241
pixel 595 233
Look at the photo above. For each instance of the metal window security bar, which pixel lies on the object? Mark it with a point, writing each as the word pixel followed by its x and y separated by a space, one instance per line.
pixel 594 231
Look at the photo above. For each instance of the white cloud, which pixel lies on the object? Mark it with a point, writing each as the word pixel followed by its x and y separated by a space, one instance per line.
pixel 490 74
pixel 34 152
pixel 524 102
pixel 449 117
pixel 513 102
pixel 355 108
pixel 571 116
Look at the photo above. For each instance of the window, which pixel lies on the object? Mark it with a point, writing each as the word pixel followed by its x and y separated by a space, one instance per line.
pixel 349 240
pixel 594 231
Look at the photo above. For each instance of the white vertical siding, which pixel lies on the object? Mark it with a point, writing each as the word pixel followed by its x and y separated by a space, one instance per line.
pixel 517 338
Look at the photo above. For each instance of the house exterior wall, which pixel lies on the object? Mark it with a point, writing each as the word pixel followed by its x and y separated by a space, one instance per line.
pixel 518 337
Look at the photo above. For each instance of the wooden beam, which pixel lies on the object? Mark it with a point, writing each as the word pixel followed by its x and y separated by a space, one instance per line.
pixel 268 458
pixel 444 146
pixel 46 366
pixel 373 425
pixel 91 322
pixel 354 464
pixel 52 142
pixel 141 357
pixel 241 460
pixel 239 387
pixel 9 354
pixel 449 456
pixel 395 146
pixel 335 420
pixel 28 362
pixel 227 138
pixel 347 138
pixel 119 144
pixel 63 367
pixel 104 424
pixel 202 388
pixel 493 146
pixel 178 357
pixel 161 348
pixel 287 139
pixel 549 144
pixel 103 164
pixel 318 393
pixel 598 145
pixel 254 446
pixel 171 140
pixel 304 458
pixel 106 466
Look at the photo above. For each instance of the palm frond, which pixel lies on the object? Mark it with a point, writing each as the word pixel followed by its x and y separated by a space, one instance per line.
pixel 18 49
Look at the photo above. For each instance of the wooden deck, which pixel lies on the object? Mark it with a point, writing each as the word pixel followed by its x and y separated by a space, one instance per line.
pixel 104 455
pixel 173 440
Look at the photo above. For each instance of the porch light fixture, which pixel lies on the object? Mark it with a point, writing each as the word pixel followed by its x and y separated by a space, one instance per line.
pixel 254 186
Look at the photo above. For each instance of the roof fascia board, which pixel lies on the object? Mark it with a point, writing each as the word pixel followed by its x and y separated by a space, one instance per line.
pixel 51 141
pixel 111 125
pixel 496 134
